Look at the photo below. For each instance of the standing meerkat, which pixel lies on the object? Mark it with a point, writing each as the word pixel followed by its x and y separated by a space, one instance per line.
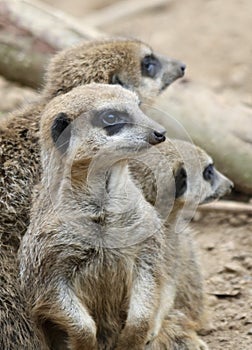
pixel 129 63
pixel 193 180
pixel 94 248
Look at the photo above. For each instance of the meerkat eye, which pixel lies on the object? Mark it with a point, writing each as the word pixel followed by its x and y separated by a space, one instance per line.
pixel 110 118
pixel 208 173
pixel 111 121
pixel 150 66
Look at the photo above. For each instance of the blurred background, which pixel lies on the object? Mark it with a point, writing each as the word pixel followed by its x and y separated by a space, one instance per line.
pixel 213 101
pixel 213 37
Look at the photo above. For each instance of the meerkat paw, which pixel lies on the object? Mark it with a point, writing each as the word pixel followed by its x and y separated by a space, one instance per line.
pixel 193 343
pixel 177 333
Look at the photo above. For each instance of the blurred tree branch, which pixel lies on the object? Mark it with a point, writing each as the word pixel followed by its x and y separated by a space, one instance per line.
pixel 122 9
pixel 190 111
pixel 30 32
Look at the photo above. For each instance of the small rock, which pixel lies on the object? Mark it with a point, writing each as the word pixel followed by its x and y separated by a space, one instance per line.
pixel 243 217
pixel 233 325
pixel 235 221
pixel 209 246
pixel 248 263
pixel 223 340
pixel 241 317
pixel 212 300
pixel 233 267
pixel 250 331
pixel 246 322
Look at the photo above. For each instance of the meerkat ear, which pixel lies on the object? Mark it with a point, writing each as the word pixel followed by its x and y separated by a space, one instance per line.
pixel 115 80
pixel 180 182
pixel 61 131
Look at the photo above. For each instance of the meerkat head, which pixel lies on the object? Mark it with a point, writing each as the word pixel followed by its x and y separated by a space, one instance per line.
pixel 215 185
pixel 129 63
pixel 205 183
pixel 95 119
pixel 160 173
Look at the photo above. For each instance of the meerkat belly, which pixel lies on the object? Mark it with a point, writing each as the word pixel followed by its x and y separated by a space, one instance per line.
pixel 104 287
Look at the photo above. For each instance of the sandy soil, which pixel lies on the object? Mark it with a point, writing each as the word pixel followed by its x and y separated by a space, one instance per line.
pixel 213 38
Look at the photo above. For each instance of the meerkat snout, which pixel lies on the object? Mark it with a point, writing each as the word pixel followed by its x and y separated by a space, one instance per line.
pixel 157 137
pixel 172 69
pixel 220 184
pixel 178 66
pixel 182 68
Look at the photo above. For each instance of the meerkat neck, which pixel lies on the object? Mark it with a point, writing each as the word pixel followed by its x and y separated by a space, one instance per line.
pixel 111 184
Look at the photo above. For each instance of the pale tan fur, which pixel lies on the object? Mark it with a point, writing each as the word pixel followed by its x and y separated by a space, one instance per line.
pixel 155 173
pixel 94 251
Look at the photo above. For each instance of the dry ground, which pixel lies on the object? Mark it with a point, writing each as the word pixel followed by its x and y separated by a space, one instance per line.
pixel 214 38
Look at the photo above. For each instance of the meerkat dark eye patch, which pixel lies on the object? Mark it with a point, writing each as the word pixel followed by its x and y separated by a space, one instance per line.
pixel 180 182
pixel 61 131
pixel 209 173
pixel 111 121
pixel 150 66
pixel 114 129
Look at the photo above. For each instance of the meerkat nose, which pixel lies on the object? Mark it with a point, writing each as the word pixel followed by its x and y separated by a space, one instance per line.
pixel 183 68
pixel 231 186
pixel 157 137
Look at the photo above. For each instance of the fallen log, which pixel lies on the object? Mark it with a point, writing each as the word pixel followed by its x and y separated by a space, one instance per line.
pixel 121 9
pixel 30 32
pixel 190 111
pixel 227 206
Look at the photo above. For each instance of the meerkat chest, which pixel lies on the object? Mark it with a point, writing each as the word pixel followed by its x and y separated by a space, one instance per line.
pixel 103 284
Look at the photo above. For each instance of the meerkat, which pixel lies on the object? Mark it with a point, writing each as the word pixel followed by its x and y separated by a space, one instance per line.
pixel 129 63
pixel 95 250
pixel 193 180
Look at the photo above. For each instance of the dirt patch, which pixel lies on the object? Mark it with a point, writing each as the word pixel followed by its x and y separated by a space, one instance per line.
pixel 213 38
pixel 225 243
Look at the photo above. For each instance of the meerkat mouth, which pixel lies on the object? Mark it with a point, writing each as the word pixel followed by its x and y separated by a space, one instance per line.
pixel 211 198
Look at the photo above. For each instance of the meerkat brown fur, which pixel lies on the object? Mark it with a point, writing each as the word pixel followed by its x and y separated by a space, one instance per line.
pixel 17 330
pixel 129 63
pixel 94 249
